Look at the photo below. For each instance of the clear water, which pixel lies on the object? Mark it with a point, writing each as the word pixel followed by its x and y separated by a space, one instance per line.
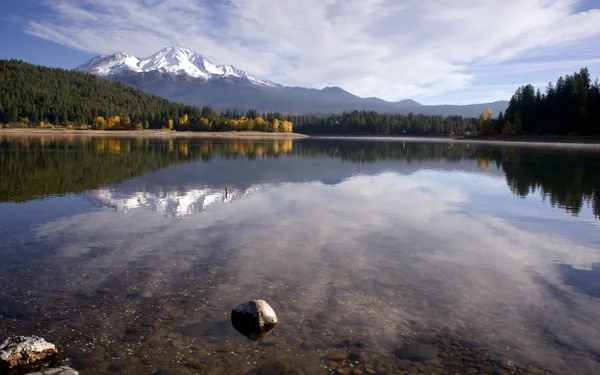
pixel 377 256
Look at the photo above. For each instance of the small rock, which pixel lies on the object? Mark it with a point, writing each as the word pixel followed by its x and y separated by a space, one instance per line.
pixel 21 350
pixel 253 319
pixel 56 371
pixel 339 355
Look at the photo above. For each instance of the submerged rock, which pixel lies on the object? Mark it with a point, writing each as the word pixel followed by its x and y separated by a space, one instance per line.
pixel 56 371
pixel 21 350
pixel 253 319
pixel 417 352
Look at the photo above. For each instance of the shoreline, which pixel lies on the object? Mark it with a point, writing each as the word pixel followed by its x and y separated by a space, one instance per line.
pixel 520 141
pixel 152 134
pixel 586 142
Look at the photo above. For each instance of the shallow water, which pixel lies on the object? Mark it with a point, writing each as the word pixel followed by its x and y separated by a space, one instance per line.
pixel 378 256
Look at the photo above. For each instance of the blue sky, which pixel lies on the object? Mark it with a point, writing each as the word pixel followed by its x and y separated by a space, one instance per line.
pixel 433 51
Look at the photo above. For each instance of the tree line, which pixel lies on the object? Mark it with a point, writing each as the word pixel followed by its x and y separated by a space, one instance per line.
pixel 373 123
pixel 36 96
pixel 571 106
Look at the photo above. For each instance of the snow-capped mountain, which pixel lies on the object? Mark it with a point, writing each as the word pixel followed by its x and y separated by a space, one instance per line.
pixel 175 204
pixel 180 75
pixel 171 61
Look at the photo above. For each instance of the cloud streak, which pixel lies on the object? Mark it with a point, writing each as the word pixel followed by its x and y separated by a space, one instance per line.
pixel 370 47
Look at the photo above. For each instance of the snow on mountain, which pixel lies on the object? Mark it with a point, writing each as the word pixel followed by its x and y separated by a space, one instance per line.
pixel 170 61
pixel 173 204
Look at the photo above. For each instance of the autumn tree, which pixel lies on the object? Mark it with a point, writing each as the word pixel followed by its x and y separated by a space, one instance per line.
pixel 183 122
pixel 99 123
pixel 486 124
pixel 113 122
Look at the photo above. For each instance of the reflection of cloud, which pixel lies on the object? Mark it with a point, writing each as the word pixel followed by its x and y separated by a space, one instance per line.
pixel 385 249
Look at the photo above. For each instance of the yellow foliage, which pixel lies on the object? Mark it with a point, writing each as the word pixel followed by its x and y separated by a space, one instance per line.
pixel 486 124
pixel 99 123
pixel 113 122
pixel 483 163
pixel 205 124
pixel 170 124
pixel 183 120
pixel 286 145
pixel 114 146
pixel 285 127
pixel 100 144
pixel 183 147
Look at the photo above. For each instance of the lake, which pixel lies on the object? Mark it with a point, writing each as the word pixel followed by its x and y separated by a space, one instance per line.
pixel 378 256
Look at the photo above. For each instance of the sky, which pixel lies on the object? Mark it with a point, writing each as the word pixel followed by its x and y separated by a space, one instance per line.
pixel 432 51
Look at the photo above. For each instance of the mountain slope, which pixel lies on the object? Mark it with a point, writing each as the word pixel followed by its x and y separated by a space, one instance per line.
pixel 181 75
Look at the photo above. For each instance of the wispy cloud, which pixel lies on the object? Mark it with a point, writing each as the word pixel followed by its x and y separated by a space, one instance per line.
pixel 416 48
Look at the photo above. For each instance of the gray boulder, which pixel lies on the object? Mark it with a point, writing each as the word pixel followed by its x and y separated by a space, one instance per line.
pixel 253 319
pixel 21 351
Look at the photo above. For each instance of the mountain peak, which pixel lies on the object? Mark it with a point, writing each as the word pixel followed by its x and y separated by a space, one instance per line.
pixel 409 102
pixel 169 62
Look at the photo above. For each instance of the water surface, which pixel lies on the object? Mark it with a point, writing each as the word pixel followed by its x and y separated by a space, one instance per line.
pixel 378 256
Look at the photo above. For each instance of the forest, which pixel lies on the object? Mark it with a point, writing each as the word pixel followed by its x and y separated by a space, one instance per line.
pixel 569 107
pixel 373 123
pixel 36 96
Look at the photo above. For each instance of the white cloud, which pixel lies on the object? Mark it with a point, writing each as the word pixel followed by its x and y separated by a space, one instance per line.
pixel 370 47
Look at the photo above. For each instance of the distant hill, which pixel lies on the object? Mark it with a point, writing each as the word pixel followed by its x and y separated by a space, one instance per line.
pixel 183 76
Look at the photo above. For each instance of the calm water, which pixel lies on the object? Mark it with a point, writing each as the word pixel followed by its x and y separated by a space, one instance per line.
pixel 378 256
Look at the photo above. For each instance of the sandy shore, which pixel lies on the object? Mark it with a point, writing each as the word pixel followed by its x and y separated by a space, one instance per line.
pixel 151 133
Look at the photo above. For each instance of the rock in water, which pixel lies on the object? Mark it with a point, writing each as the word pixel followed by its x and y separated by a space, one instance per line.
pixel 21 350
pixel 56 371
pixel 253 319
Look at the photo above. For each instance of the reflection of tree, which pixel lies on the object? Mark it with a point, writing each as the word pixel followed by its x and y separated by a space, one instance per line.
pixel 568 179
pixel 371 152
pixel 34 167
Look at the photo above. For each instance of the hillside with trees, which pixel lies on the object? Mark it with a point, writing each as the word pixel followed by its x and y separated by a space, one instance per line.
pixel 36 96
pixel 571 106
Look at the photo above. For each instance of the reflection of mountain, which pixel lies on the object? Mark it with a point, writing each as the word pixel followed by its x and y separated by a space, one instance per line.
pixel 177 204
